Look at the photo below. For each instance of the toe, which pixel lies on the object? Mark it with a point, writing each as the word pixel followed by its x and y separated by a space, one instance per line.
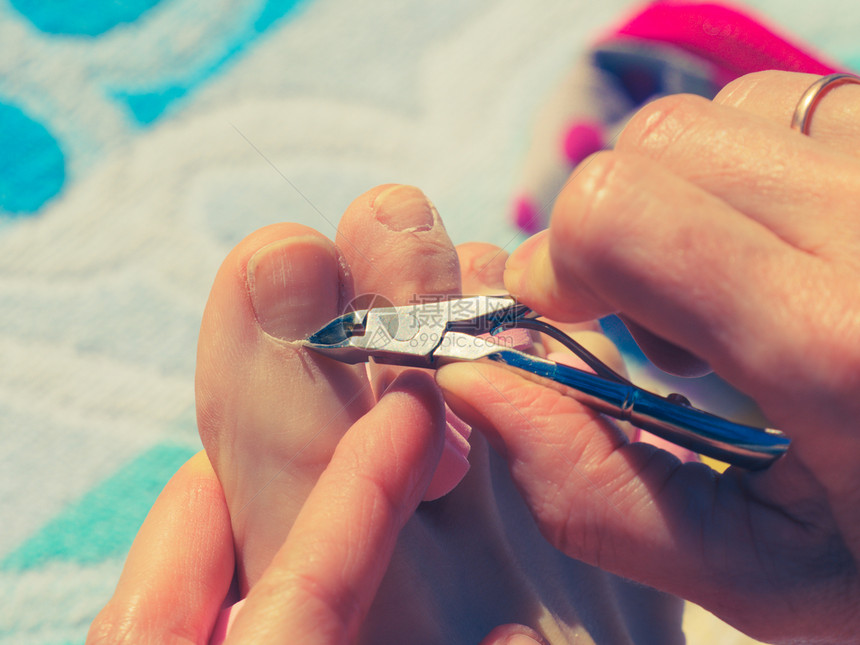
pixel 482 268
pixel 396 245
pixel 270 412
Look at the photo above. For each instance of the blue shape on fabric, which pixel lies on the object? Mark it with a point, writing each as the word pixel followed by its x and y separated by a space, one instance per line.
pixel 103 523
pixel 273 11
pixel 32 166
pixel 81 17
pixel 148 106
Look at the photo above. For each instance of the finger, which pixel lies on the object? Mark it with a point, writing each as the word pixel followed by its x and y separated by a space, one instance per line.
pixel 628 508
pixel 630 236
pixel 179 567
pixel 667 356
pixel 531 276
pixel 483 272
pixel 587 468
pixel 482 266
pixel 759 167
pixel 324 578
pixel 773 95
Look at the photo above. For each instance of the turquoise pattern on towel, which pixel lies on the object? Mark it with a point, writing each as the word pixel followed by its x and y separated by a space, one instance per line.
pixel 149 105
pixel 81 18
pixel 102 524
pixel 32 166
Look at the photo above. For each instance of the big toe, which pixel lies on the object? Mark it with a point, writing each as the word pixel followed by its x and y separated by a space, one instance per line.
pixel 269 412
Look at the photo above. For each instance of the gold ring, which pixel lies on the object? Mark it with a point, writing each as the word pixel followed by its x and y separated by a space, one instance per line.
pixel 809 101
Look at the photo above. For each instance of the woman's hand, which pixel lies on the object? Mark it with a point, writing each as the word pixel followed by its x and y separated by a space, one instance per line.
pixel 324 578
pixel 721 234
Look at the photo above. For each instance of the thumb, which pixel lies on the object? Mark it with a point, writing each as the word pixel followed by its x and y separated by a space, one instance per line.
pixel 628 508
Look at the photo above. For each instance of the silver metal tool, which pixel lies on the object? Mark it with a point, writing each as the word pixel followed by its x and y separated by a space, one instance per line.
pixel 430 334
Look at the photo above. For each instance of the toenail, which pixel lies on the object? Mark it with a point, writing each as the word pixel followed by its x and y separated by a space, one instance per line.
pixel 294 286
pixel 404 208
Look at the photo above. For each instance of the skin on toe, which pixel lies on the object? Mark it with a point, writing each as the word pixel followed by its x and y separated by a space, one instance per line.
pixel 396 246
pixel 269 412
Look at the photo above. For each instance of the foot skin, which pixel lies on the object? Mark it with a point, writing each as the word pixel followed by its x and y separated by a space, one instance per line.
pixel 271 412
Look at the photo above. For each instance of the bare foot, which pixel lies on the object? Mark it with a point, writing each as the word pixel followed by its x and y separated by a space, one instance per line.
pixel 270 413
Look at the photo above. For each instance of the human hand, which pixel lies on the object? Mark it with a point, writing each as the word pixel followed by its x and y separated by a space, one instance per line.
pixel 317 476
pixel 719 234
pixel 323 579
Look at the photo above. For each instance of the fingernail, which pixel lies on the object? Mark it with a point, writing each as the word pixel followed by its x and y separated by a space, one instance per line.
pixel 453 463
pixel 521 639
pixel 294 286
pixel 520 259
pixel 404 208
pixel 456 377
pixel 489 269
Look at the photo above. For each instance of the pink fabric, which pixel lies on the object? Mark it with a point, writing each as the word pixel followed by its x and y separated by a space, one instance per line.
pixel 582 139
pixel 526 215
pixel 730 39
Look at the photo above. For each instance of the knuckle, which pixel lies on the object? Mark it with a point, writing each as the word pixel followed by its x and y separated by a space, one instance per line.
pixel 335 613
pixel 118 625
pixel 582 533
pixel 111 628
pixel 740 91
pixel 736 92
pixel 104 631
pixel 834 333
pixel 661 124
pixel 589 207
pixel 583 193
